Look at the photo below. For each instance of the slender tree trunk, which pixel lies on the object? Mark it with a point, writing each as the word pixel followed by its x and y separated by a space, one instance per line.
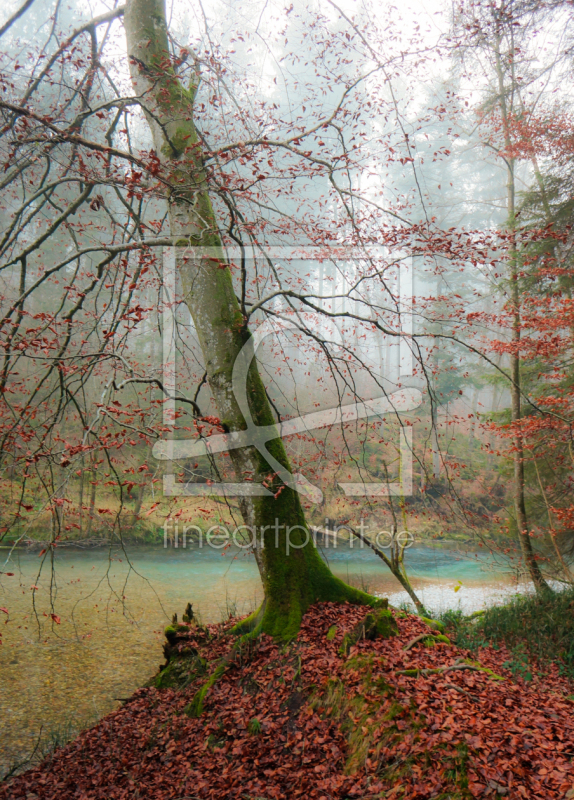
pixel 138 503
pixel 93 491
pixel 515 388
pixel 292 571
pixel 472 431
pixel 81 493
pixel 141 491
pixel 518 455
pixel 395 562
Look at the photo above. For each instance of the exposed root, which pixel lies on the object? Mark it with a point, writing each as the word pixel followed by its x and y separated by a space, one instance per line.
pixel 459 665
pixel 415 673
pixel 461 690
pixel 423 637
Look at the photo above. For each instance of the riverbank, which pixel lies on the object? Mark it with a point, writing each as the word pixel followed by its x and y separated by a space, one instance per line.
pixel 411 715
pixel 169 535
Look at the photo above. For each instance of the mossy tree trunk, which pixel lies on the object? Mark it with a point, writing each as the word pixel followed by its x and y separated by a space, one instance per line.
pixel 292 571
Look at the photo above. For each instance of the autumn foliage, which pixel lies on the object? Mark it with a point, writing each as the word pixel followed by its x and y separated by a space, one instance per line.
pixel 310 722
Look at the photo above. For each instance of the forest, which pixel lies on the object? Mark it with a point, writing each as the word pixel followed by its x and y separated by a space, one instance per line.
pixel 286 400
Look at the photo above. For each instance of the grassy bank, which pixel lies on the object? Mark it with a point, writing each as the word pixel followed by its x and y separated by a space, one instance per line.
pixel 537 630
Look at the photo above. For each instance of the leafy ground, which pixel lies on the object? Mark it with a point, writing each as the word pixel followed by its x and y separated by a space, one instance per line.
pixel 313 721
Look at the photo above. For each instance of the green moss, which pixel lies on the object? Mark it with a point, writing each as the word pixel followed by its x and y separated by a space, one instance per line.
pixel 332 632
pixel 435 638
pixel 394 711
pixel 489 672
pixel 377 624
pixel 435 624
pixel 180 672
pixel 411 673
pixel 381 624
pixel 173 631
pixel 195 708
pixel 250 623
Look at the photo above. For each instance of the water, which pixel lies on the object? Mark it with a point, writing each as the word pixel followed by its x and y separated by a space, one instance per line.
pixel 57 678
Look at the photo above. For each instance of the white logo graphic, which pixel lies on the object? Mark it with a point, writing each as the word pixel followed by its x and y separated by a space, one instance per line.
pixel 403 400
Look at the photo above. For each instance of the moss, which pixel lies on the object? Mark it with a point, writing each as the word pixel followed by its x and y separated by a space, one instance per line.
pixel 489 672
pixel 377 624
pixel 250 623
pixel 195 708
pixel 455 770
pixel 332 632
pixel 411 673
pixel 180 672
pixel 381 624
pixel 394 711
pixel 214 742
pixel 435 638
pixel 382 687
pixel 166 678
pixel 173 631
pixel 435 624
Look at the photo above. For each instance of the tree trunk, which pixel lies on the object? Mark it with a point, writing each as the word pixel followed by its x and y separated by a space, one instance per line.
pixel 472 431
pixel 93 491
pixel 81 493
pixel 292 571
pixel 515 388
pixel 138 503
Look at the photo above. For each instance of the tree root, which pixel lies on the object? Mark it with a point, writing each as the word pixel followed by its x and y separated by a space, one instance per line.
pixel 415 673
pixel 436 637
pixel 195 708
pixel 459 665
pixel 461 690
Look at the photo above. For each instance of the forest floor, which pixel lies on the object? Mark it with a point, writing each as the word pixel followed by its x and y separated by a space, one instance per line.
pixel 309 720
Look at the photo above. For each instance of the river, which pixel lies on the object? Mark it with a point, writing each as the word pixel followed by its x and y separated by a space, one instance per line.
pixel 57 677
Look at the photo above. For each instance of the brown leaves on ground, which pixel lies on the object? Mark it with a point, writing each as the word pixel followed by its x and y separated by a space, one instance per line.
pixel 307 722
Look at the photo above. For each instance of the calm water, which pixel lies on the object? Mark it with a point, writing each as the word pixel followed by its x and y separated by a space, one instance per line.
pixel 55 678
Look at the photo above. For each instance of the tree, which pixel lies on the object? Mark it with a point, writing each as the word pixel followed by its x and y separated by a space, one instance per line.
pixel 87 215
pixel 291 580
pixel 499 33
pixel 105 168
